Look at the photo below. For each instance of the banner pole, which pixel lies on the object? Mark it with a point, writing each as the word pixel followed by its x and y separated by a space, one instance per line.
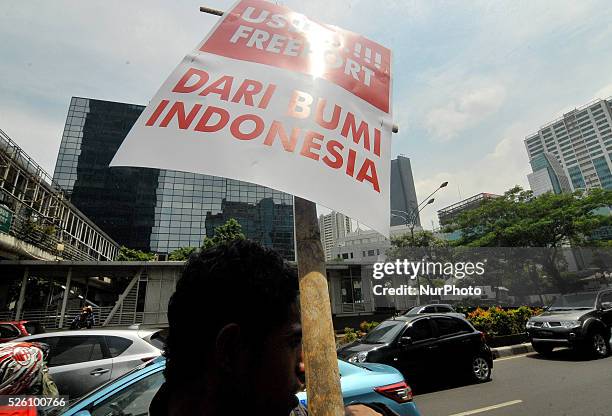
pixel 318 339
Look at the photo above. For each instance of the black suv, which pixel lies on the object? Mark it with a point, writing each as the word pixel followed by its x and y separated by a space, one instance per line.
pixel 577 320
pixel 425 347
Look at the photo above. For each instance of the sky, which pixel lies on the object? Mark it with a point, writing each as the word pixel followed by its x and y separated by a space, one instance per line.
pixel 471 79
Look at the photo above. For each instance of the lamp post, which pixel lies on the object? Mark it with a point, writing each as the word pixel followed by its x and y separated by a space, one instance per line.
pixel 410 218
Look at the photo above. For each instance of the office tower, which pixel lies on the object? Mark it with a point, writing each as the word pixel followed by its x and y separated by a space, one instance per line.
pixel 152 209
pixel 403 195
pixel 581 141
pixel 548 175
pixel 333 226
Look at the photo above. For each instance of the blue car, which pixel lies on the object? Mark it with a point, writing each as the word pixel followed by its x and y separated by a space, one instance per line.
pixel 132 393
pixel 368 382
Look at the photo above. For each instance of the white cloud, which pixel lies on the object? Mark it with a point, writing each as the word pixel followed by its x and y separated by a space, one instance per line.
pixel 604 92
pixel 507 165
pixel 470 108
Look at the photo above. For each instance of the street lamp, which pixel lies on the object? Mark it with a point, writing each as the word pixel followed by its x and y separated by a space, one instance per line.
pixel 442 185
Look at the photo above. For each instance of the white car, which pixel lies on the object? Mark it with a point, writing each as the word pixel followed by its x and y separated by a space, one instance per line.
pixel 80 361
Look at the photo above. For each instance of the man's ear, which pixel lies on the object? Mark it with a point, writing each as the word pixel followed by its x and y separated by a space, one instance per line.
pixel 227 346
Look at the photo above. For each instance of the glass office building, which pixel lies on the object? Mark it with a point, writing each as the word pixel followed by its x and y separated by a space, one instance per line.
pixel 403 194
pixel 158 210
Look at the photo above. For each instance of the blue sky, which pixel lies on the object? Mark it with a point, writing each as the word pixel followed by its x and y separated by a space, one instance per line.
pixel 471 79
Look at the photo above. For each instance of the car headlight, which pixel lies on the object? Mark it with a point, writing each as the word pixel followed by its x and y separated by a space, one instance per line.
pixel 530 324
pixel 569 324
pixel 358 358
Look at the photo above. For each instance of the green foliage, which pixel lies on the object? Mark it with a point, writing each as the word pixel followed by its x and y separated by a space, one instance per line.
pixel 496 321
pixel 181 254
pixel 518 219
pixel 421 238
pixel 230 231
pixel 129 254
pixel 366 326
pixel 350 335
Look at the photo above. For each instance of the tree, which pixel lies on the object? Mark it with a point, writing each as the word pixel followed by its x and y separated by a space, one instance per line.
pixel 422 238
pixel 181 254
pixel 230 231
pixel 518 219
pixel 421 246
pixel 549 221
pixel 130 254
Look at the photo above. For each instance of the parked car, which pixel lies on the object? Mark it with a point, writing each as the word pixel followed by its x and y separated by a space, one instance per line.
pixel 81 361
pixel 423 346
pixel 366 382
pixel 10 330
pixel 579 320
pixel 434 308
pixel 132 394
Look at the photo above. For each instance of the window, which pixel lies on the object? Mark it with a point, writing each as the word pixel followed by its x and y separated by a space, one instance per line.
pixel 8 331
pixel 420 330
pixel 450 326
pixel 132 400
pixel 606 297
pixel 443 309
pixel 34 328
pixel 117 345
pixel 73 349
pixel 351 290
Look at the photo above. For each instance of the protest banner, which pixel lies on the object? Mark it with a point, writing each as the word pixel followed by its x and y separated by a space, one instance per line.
pixel 274 98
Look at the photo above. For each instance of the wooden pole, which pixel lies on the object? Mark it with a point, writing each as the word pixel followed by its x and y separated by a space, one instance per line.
pixel 318 340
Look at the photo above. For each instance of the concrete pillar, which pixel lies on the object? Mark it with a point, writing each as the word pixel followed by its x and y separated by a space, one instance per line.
pixel 65 300
pixel 20 301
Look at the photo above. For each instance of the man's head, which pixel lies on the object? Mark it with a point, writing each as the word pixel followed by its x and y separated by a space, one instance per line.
pixel 235 335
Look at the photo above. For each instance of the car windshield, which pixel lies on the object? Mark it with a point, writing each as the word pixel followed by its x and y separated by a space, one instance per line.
pixel 414 310
pixel 574 301
pixel 384 333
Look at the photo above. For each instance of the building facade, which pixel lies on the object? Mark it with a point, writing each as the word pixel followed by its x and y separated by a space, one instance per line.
pixel 581 141
pixel 361 245
pixel 548 175
pixel 333 226
pixel 403 193
pixel 152 209
pixel 448 214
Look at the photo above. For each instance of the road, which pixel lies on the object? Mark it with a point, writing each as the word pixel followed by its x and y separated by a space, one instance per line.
pixel 561 385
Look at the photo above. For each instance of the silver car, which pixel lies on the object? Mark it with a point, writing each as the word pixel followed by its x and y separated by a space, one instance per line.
pixel 80 361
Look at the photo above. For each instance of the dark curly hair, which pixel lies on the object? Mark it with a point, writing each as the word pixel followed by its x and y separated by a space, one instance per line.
pixel 238 282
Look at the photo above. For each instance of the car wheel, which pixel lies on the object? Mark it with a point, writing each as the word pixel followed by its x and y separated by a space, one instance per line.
pixel 598 345
pixel 542 349
pixel 481 370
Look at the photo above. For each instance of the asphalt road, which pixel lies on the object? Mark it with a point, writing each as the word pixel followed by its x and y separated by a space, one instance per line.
pixel 561 385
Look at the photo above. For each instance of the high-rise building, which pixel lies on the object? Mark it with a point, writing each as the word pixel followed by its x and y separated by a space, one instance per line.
pixel 158 210
pixel 403 194
pixel 333 226
pixel 548 175
pixel 581 141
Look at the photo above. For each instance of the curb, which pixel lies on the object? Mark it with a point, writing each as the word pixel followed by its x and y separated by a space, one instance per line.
pixel 512 350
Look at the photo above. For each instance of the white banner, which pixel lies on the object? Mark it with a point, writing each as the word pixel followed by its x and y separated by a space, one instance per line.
pixel 273 98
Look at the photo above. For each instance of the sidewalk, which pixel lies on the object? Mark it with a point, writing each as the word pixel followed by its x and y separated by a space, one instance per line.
pixel 512 350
